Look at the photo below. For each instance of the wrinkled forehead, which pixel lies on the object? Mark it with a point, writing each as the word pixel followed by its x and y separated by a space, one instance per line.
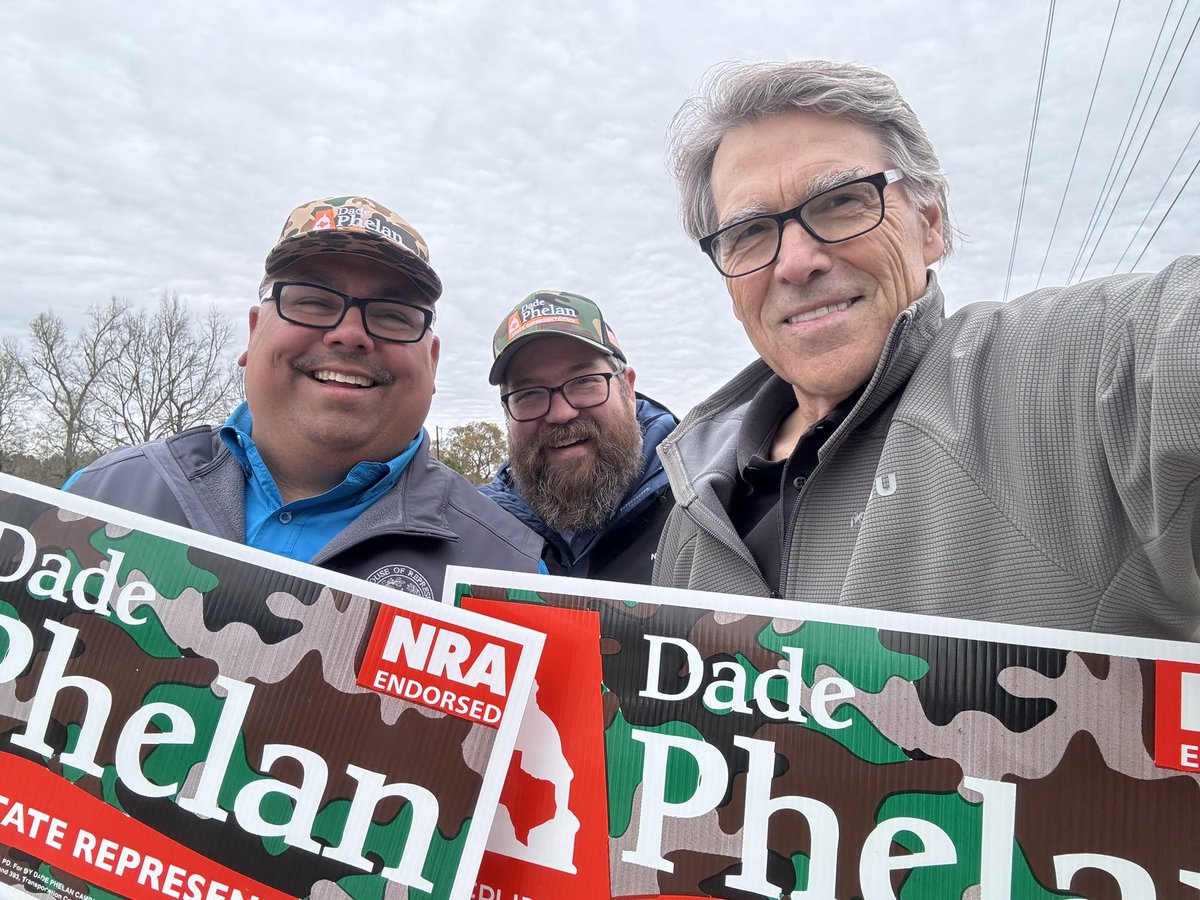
pixel 787 157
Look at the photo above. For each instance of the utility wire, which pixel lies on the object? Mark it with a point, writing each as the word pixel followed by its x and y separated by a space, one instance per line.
pixel 1137 156
pixel 1029 152
pixel 1070 175
pixel 1154 202
pixel 1095 216
pixel 1164 218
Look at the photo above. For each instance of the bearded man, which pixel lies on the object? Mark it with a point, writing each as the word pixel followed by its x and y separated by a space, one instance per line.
pixel 583 471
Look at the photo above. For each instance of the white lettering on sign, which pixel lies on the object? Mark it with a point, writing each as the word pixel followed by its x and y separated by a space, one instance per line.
pixel 991 849
pixel 730 690
pixel 54 582
pixel 175 725
pixel 1189 701
pixel 442 652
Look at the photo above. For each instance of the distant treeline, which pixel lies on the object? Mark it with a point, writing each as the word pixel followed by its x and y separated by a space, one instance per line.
pixel 126 375
pixel 123 376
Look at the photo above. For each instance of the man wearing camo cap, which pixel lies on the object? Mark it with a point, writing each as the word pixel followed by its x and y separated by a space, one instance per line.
pixel 583 472
pixel 327 461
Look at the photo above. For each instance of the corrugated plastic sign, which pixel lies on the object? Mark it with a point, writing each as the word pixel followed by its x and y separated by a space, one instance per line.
pixel 765 748
pixel 187 718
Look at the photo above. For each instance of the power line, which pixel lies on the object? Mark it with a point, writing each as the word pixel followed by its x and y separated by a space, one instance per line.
pixel 1145 139
pixel 1095 216
pixel 1037 105
pixel 1086 119
pixel 1154 202
pixel 1178 194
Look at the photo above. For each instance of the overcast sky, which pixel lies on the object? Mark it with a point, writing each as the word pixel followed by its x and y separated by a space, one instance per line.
pixel 152 147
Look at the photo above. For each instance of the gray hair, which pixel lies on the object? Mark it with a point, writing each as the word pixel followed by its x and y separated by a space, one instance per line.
pixel 736 94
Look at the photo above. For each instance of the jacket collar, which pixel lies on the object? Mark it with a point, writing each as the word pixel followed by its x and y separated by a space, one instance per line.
pixel 706 442
pixel 656 422
pixel 414 507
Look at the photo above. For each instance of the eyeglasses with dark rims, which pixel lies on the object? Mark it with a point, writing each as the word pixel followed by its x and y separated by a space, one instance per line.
pixel 838 214
pixel 582 392
pixel 316 306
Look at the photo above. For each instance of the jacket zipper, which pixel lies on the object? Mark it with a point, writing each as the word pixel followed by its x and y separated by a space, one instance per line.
pixel 847 426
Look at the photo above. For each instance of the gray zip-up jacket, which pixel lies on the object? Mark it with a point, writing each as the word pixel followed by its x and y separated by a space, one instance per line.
pixel 1034 462
pixel 430 519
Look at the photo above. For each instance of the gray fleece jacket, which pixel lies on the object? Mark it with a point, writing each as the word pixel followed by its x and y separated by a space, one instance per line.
pixel 1034 462
pixel 430 519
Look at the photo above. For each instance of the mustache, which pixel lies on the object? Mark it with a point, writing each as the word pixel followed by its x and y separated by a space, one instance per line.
pixel 580 429
pixel 578 495
pixel 315 361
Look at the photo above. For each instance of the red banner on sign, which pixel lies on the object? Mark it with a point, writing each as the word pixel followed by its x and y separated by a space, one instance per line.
pixel 549 838
pixel 1177 716
pixel 47 817
pixel 449 668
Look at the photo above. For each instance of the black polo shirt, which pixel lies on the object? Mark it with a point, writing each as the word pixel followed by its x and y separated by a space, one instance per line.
pixel 767 490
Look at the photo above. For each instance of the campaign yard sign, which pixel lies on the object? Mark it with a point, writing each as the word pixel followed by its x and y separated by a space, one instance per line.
pixel 549 837
pixel 182 717
pixel 766 748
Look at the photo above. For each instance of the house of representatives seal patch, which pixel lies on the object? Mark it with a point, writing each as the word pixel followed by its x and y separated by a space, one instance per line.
pixel 403 578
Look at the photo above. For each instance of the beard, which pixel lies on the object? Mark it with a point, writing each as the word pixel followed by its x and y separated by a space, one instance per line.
pixel 579 495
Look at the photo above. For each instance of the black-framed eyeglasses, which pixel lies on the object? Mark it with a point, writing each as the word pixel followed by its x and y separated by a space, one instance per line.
pixel 316 306
pixel 838 214
pixel 582 392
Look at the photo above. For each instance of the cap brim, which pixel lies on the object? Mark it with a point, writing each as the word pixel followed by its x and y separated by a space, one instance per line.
pixel 294 249
pixel 496 374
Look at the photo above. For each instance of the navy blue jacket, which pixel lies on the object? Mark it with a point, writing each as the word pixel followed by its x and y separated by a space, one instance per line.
pixel 623 550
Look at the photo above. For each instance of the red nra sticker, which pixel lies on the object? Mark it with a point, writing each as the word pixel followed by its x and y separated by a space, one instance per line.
pixel 1177 716
pixel 439 665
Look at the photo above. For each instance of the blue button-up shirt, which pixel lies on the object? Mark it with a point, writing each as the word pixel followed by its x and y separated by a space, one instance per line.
pixel 301 528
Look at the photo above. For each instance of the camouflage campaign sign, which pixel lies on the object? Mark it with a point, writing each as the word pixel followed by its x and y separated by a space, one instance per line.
pixel 187 718
pixel 549 837
pixel 763 749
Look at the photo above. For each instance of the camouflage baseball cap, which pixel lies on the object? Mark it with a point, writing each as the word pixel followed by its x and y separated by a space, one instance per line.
pixel 545 313
pixel 360 226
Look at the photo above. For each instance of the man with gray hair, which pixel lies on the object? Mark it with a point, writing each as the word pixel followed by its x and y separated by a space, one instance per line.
pixel 1034 462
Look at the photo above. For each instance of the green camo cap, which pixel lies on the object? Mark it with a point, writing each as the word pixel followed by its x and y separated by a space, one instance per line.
pixel 359 226
pixel 545 313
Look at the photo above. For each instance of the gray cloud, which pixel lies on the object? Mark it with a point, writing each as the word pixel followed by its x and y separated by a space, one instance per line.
pixel 155 147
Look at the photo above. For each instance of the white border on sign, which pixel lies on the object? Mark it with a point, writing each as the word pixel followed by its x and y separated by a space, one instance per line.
pixel 775 608
pixel 522 684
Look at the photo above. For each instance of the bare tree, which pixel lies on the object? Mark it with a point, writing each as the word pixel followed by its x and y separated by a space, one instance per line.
pixel 16 400
pixel 173 371
pixel 475 450
pixel 63 372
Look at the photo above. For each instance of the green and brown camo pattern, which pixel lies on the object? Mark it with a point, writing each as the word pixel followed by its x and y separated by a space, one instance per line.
pixel 379 234
pixel 928 711
pixel 298 643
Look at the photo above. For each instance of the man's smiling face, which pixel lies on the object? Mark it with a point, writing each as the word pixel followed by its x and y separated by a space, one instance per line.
pixel 573 466
pixel 820 315
pixel 338 392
